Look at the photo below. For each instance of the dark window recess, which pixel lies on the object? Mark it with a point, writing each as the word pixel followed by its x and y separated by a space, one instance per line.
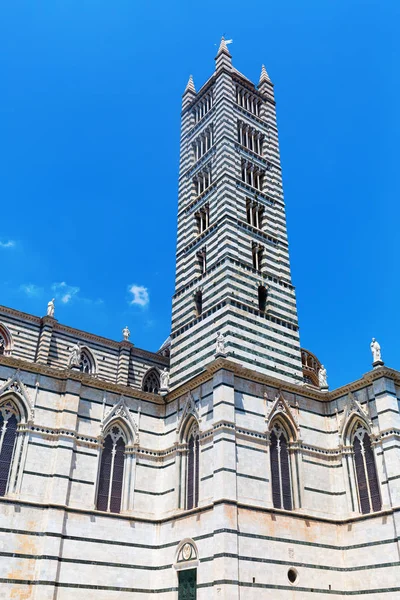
pixel 198 302
pixel 285 474
pixel 7 450
pixel 111 472
pixel 292 575
pixel 105 474
pixel 192 496
pixel 276 488
pixel 187 584
pixel 151 382
pixel 367 480
pixel 262 298
pixel 280 471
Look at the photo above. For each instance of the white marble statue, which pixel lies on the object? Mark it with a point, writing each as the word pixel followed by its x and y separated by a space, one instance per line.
pixel 126 333
pixel 75 356
pixel 164 379
pixel 50 308
pixel 220 343
pixel 376 351
pixel 322 377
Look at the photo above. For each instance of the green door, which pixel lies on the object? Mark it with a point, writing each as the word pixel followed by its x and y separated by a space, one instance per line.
pixel 187 585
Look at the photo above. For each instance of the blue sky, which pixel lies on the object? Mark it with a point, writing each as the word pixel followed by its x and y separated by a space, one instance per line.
pixel 89 141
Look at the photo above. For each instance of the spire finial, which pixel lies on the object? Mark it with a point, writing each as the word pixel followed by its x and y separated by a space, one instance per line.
pixel 190 85
pixel 264 75
pixel 223 47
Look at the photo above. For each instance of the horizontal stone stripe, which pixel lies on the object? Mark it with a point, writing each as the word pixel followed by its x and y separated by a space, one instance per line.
pixel 388 410
pixel 59 476
pixel 235 556
pixel 318 430
pixel 154 493
pixel 312 462
pixel 140 464
pixel 218 582
pixel 85 586
pixel 31 443
pixel 324 492
pixel 222 531
pixel 263 450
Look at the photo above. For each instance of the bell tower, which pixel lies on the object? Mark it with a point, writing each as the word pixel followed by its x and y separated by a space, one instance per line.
pixel 232 258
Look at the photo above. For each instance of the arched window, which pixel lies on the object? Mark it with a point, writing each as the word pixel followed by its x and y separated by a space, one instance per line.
pixel 367 478
pixel 5 340
pixel 151 381
pixel 280 469
pixel 111 476
pixel 192 467
pixel 86 364
pixel 8 433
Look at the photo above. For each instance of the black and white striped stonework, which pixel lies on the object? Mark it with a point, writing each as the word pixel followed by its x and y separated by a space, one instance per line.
pixel 240 168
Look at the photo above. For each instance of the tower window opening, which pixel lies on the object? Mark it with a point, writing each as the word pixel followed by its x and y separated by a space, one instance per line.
pixel 254 214
pixel 203 219
pixel 202 107
pixel 257 251
pixel 201 257
pixel 252 175
pixel 203 143
pixel 250 138
pixel 262 298
pixel 248 101
pixel 202 181
pixel 198 303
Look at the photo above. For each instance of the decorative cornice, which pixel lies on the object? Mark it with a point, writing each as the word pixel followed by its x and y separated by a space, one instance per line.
pixel 299 389
pixel 84 378
pixel 82 335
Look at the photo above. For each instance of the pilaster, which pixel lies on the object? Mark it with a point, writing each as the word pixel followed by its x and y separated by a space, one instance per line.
pixel 387 409
pixel 43 347
pixel 123 363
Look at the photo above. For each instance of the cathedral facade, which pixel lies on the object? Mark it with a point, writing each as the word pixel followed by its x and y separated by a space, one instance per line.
pixel 220 466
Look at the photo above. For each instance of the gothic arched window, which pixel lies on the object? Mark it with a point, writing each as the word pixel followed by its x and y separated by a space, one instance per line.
pixel 111 476
pixel 86 364
pixel 5 340
pixel 151 381
pixel 367 478
pixel 280 469
pixel 192 467
pixel 2 344
pixel 8 434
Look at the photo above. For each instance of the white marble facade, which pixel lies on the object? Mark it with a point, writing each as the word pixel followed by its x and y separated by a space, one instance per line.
pixel 195 496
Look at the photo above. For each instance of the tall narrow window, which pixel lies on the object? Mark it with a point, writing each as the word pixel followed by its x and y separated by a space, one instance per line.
pixel 86 364
pixel 257 252
pixel 198 302
pixel 5 340
pixel 201 257
pixel 262 298
pixel 192 471
pixel 151 381
pixel 254 213
pixel 280 469
pixel 109 495
pixel 367 478
pixel 202 218
pixel 8 433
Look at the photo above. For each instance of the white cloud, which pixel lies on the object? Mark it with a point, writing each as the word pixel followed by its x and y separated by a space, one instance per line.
pixel 64 292
pixel 140 295
pixel 8 244
pixel 31 289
